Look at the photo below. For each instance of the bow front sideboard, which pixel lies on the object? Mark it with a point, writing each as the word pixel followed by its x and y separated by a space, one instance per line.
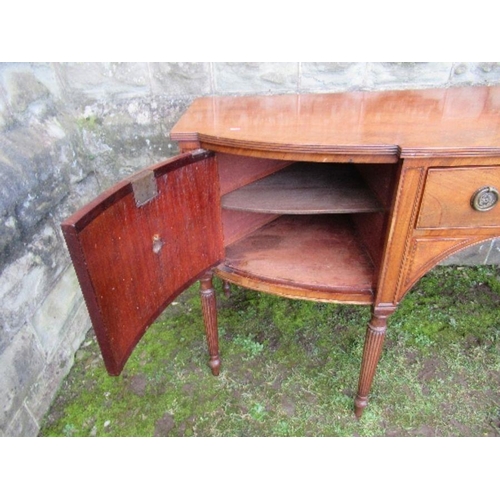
pixel 348 198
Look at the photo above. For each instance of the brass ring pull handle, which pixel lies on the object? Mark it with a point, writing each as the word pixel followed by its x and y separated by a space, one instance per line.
pixel 484 199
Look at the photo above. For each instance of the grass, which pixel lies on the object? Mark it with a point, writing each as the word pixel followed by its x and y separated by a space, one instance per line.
pixel 290 368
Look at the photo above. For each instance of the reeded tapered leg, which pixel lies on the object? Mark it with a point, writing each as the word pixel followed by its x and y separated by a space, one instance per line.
pixel 374 341
pixel 209 308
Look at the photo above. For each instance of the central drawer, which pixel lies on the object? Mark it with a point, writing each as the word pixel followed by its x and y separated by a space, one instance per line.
pixel 460 198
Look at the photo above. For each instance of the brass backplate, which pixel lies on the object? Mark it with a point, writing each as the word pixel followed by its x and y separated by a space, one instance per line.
pixel 144 187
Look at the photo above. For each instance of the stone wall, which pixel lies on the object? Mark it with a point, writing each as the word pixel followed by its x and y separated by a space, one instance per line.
pixel 68 131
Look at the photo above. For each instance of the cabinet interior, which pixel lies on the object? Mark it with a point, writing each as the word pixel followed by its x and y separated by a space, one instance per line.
pixel 311 225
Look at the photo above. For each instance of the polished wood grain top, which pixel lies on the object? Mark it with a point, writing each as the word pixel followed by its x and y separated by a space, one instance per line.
pixel 461 121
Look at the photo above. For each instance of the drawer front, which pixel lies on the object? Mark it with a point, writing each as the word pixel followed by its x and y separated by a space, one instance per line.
pixel 460 198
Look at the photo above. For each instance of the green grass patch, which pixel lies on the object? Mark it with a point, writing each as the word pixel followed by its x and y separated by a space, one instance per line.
pixel 290 368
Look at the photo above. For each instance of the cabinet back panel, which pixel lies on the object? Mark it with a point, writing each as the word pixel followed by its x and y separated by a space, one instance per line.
pixel 238 224
pixel 237 171
pixel 381 180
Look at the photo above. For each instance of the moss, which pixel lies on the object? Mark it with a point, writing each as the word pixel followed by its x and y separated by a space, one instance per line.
pixel 290 368
pixel 90 123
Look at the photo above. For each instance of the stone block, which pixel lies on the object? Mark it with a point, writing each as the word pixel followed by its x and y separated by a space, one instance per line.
pixel 255 77
pixel 177 79
pixel 332 76
pixel 99 116
pixel 25 84
pixel 494 255
pixel 122 137
pixel 46 386
pixel 81 193
pixel 167 111
pixel 26 282
pixel 49 189
pixel 34 178
pixel 127 116
pixel 46 248
pixel 20 365
pixel 472 256
pixel 117 165
pixel 476 73
pixel 25 89
pixel 23 424
pixel 161 148
pixel 77 328
pixel 88 82
pixel 5 115
pixel 57 311
pixel 23 284
pixel 32 163
pixel 407 75
pixel 9 233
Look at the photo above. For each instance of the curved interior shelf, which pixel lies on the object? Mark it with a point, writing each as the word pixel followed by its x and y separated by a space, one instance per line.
pixel 305 252
pixel 306 188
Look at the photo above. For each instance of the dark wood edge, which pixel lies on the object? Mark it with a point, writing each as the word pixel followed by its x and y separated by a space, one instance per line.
pixel 290 292
pixel 449 152
pixel 366 149
pixel 72 238
pixel 294 156
pixel 393 151
pixel 293 289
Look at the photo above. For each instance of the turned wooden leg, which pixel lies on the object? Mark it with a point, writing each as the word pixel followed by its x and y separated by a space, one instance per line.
pixel 209 308
pixel 374 340
pixel 227 288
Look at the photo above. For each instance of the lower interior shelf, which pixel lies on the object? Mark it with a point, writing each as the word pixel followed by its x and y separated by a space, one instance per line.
pixel 316 256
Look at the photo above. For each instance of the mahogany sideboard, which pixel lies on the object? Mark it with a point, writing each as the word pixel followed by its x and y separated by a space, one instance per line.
pixel 348 197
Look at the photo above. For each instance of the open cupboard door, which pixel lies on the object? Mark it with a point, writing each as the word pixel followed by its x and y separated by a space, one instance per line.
pixel 141 243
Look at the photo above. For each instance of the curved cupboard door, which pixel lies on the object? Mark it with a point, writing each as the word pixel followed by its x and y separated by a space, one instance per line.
pixel 141 243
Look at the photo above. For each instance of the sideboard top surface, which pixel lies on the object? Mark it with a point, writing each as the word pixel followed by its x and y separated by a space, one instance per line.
pixel 463 121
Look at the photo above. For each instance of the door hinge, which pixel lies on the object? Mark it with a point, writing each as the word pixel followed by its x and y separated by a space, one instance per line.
pixel 144 187
pixel 199 154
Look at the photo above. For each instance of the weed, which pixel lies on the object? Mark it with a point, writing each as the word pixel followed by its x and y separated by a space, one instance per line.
pixel 68 430
pixel 249 346
pixel 258 412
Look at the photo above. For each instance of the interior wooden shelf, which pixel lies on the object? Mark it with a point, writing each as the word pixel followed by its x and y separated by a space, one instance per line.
pixel 310 252
pixel 306 188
